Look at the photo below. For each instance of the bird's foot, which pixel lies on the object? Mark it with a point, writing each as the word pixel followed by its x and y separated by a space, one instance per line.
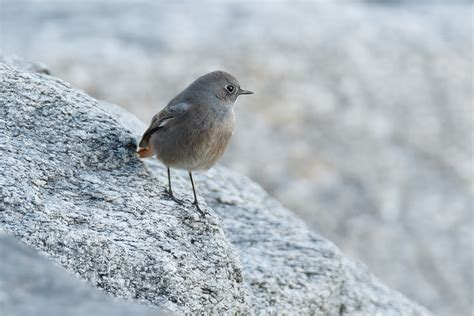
pixel 171 195
pixel 201 212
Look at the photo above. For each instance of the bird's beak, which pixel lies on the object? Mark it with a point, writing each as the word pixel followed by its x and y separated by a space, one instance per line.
pixel 242 91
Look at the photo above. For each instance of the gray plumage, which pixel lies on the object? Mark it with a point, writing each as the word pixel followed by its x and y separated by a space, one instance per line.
pixel 193 130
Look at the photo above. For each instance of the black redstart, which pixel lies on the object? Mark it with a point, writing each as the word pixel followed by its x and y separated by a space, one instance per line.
pixel 193 130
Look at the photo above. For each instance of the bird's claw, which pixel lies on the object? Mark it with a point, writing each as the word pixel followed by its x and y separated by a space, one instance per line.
pixel 171 195
pixel 201 212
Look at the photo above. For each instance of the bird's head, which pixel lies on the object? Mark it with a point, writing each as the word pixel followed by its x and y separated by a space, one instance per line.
pixel 219 84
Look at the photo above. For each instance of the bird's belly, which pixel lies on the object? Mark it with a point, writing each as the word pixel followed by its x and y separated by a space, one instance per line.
pixel 206 154
pixel 193 149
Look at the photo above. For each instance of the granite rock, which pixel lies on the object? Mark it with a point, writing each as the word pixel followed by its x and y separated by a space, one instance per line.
pixel 31 285
pixel 363 110
pixel 73 188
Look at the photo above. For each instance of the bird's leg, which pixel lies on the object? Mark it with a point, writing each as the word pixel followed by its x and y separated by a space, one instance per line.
pixel 195 197
pixel 170 191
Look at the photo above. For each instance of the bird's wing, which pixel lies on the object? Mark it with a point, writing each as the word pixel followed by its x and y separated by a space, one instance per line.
pixel 169 113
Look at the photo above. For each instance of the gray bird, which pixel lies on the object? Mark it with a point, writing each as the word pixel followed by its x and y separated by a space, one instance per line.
pixel 192 132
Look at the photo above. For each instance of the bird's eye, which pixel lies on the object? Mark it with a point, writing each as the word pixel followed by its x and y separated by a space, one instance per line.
pixel 230 88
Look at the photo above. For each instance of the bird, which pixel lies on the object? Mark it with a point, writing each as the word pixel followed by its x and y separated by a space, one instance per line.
pixel 193 130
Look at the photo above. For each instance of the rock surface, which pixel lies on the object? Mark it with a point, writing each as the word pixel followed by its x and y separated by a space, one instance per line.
pixel 363 110
pixel 31 285
pixel 73 188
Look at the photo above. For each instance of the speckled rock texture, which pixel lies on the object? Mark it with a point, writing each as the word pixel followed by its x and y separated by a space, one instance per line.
pixel 30 285
pixel 73 188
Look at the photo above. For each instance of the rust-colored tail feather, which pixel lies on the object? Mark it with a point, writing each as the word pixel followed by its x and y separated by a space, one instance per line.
pixel 145 152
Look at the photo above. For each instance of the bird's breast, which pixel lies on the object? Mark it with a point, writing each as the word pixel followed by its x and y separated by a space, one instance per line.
pixel 196 142
pixel 214 141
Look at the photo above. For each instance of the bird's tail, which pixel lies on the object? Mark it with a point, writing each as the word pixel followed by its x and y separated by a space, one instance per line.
pixel 144 147
pixel 145 152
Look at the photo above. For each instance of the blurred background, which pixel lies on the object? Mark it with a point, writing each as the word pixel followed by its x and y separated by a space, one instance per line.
pixel 361 122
